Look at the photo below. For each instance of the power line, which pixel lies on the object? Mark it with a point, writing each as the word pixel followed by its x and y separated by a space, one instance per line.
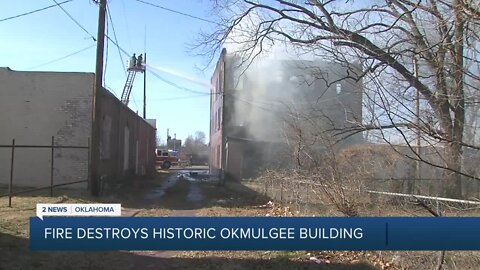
pixel 116 40
pixel 177 12
pixel 126 24
pixel 33 11
pixel 75 21
pixel 118 46
pixel 61 58
pixel 127 54
pixel 135 103
pixel 176 85
pixel 158 76
pixel 178 98
pixel 189 78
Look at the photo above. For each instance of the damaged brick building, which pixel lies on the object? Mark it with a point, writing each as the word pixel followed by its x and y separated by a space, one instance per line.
pixel 251 108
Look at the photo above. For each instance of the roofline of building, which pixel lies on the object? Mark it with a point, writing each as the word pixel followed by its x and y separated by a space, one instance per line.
pixel 220 58
pixel 42 71
pixel 105 91
pixel 315 61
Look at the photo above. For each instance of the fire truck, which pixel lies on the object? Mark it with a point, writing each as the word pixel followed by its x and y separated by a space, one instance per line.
pixel 166 158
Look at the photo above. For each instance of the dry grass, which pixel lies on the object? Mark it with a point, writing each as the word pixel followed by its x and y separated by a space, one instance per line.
pixel 14 233
pixel 15 219
pixel 293 197
pixel 233 200
pixel 331 260
pixel 154 212
pixel 14 245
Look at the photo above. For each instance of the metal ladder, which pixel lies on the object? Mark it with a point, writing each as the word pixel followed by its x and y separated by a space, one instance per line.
pixel 128 86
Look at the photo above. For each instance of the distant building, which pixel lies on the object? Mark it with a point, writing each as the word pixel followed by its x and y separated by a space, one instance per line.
pixel 251 110
pixel 34 106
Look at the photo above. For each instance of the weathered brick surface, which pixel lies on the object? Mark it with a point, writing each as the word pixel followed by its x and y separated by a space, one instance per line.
pixel 38 105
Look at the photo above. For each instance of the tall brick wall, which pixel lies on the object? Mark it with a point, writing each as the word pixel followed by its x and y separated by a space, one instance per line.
pixel 122 155
pixel 34 106
pixel 217 140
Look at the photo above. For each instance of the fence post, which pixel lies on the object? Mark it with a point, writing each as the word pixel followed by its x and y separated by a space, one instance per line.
pixel 51 167
pixel 10 186
pixel 281 190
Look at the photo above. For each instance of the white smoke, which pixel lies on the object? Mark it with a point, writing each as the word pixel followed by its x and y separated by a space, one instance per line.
pixel 187 77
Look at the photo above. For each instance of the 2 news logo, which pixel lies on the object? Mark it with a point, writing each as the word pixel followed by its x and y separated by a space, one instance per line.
pixel 98 210
pixel 54 209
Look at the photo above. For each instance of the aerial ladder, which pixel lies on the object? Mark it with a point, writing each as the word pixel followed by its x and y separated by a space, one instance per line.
pixel 136 65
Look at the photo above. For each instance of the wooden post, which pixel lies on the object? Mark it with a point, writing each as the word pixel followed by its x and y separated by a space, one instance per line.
pixel 10 186
pixel 145 86
pixel 51 166
pixel 96 115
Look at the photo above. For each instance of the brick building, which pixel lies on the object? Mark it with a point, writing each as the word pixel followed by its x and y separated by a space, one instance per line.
pixel 250 109
pixel 34 106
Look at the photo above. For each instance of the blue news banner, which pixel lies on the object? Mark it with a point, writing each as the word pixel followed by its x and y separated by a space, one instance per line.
pixel 255 233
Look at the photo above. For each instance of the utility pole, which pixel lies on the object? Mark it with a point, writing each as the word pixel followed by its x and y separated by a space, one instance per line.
pixel 145 88
pixel 174 141
pixel 96 115
pixel 145 74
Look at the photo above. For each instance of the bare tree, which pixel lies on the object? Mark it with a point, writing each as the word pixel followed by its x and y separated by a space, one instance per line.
pixel 390 39
pixel 195 148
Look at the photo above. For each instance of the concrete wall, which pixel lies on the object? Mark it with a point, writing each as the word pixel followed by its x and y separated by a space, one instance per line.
pixel 34 106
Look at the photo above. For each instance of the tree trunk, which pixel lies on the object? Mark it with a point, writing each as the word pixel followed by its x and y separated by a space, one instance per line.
pixel 453 184
pixel 457 100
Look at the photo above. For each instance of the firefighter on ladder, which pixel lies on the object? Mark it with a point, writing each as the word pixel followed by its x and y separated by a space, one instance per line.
pixel 140 62
pixel 133 62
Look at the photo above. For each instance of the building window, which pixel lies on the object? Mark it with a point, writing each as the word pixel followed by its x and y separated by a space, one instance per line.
pixel 219 116
pixel 214 124
pixel 339 88
pixel 218 157
pixel 218 86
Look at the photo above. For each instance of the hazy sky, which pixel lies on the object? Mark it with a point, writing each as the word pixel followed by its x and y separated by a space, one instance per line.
pixel 30 42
